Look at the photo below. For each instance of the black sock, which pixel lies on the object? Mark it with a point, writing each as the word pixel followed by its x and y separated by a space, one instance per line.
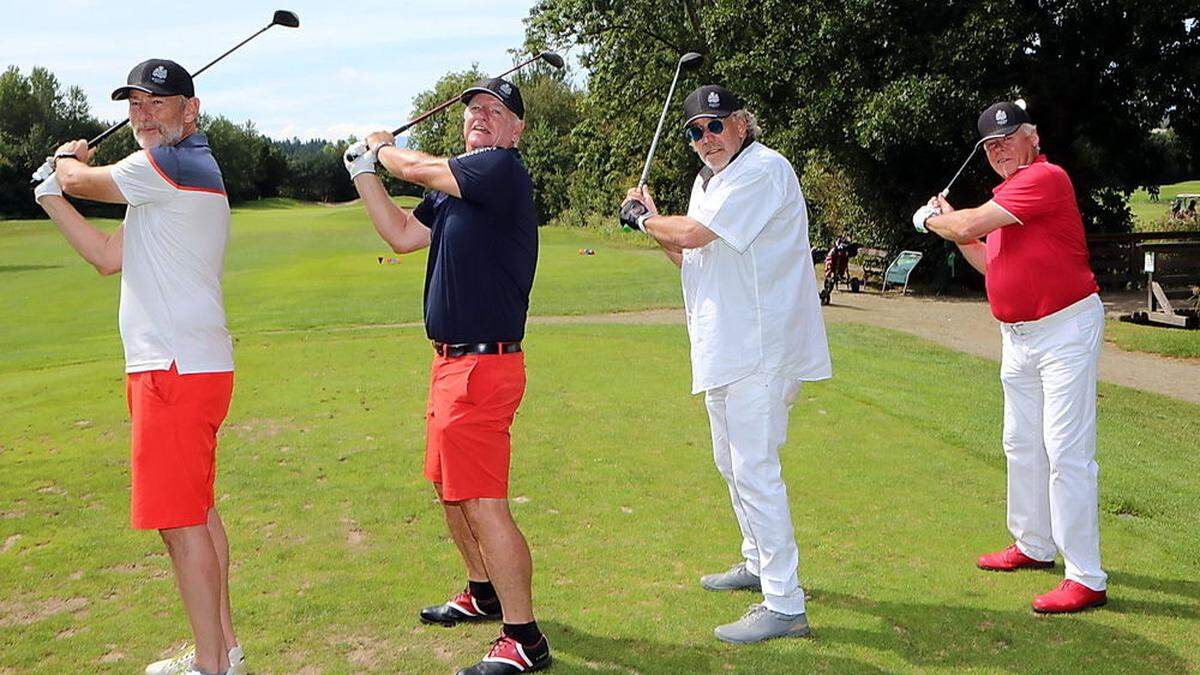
pixel 483 592
pixel 525 633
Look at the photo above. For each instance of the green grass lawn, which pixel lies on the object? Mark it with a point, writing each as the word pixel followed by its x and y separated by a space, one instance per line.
pixel 1167 341
pixel 895 472
pixel 1145 212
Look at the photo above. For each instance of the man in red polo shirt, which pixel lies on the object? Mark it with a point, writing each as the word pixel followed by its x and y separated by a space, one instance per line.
pixel 1042 290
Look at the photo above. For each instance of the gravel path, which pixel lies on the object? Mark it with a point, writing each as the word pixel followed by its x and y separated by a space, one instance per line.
pixel 966 325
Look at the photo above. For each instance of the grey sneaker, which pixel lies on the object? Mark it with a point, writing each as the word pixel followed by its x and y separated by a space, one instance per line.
pixel 736 579
pixel 760 624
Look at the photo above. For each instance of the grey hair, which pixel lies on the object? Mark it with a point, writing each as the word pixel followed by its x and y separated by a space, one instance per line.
pixel 753 131
pixel 1029 130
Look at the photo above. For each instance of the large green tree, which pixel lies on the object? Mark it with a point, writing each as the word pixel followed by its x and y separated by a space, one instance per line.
pixel 879 97
pixel 36 115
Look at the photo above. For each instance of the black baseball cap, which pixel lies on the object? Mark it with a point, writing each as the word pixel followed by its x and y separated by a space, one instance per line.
pixel 1001 119
pixel 159 77
pixel 502 89
pixel 710 100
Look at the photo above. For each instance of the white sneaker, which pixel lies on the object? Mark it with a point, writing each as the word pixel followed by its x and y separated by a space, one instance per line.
pixel 182 662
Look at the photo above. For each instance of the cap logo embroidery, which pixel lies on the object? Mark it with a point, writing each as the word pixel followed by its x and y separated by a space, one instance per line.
pixel 713 99
pixel 505 88
pixel 1001 117
pixel 159 75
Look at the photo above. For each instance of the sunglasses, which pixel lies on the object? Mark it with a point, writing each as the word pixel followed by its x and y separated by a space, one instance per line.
pixel 695 133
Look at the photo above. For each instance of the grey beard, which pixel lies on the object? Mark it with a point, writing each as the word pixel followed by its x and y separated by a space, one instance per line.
pixel 169 137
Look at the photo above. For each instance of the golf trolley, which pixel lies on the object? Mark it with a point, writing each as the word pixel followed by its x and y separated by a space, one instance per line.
pixel 837 269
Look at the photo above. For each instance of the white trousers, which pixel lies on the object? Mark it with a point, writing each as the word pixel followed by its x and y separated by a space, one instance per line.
pixel 1048 371
pixel 749 421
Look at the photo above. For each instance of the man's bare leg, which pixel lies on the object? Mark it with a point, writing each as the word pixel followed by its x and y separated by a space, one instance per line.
pixel 216 530
pixel 198 573
pixel 464 539
pixel 505 555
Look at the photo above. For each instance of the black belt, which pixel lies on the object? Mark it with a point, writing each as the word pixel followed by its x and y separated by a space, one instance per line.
pixel 453 351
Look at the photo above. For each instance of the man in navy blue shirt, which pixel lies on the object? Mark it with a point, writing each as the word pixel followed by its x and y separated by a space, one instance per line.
pixel 480 225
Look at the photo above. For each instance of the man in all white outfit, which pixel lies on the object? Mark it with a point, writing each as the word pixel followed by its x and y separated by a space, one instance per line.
pixel 756 331
pixel 1042 290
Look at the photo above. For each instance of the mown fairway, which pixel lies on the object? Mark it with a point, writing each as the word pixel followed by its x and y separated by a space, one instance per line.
pixel 895 470
pixel 1146 211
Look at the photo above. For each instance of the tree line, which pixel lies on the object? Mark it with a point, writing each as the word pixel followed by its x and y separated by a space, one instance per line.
pixel 874 102
pixel 37 113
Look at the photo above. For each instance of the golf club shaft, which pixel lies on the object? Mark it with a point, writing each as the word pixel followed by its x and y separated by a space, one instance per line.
pixel 451 101
pixel 109 131
pixel 657 132
pixel 946 191
pixel 99 138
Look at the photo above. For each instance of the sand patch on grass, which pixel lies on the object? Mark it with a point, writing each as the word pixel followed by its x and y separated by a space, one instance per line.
pixel 16 613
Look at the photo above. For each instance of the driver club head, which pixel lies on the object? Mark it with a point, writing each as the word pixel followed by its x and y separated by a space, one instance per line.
pixel 552 58
pixel 690 60
pixel 285 18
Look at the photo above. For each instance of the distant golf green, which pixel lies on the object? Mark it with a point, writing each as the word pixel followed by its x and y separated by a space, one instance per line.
pixel 895 471
pixel 1147 214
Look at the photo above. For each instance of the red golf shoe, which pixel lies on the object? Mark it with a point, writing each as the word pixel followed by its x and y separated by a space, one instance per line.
pixel 1070 596
pixel 1010 559
pixel 509 657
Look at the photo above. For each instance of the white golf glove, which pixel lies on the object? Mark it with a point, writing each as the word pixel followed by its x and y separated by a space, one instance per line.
pixel 46 188
pixel 923 214
pixel 358 160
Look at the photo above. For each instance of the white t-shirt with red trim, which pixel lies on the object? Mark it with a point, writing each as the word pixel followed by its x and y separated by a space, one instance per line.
pixel 176 229
pixel 751 294
pixel 1039 264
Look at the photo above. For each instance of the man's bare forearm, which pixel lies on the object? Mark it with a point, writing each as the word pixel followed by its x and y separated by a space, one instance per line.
pixel 678 232
pixel 673 254
pixel 102 250
pixel 976 254
pixel 399 228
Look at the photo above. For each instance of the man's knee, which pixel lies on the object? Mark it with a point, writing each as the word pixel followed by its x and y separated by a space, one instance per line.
pixel 486 511
pixel 180 540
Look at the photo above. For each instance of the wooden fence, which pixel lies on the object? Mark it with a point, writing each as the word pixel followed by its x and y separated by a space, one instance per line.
pixel 1118 259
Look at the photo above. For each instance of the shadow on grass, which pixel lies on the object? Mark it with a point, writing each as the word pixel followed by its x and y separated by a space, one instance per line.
pixel 956 637
pixel 26 268
pixel 1186 589
pixel 600 654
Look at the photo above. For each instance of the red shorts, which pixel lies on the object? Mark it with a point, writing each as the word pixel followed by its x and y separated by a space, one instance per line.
pixel 472 401
pixel 174 421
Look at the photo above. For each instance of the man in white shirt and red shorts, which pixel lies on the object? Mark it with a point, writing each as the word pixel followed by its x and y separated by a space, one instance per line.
pixel 170 251
pixel 1042 290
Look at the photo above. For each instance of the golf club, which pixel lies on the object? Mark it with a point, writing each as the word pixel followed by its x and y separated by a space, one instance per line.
pixel 975 149
pixel 281 17
pixel 689 59
pixel 357 150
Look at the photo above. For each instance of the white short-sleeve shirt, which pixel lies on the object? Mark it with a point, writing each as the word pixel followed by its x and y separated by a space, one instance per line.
pixel 751 294
pixel 176 229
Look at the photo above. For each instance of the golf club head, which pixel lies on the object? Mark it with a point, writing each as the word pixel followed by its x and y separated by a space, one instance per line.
pixel 552 58
pixel 690 60
pixel 285 18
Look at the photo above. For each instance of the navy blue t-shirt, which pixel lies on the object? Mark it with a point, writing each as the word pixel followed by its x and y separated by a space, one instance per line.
pixel 483 250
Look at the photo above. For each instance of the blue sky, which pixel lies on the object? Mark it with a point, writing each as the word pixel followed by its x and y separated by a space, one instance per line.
pixel 349 68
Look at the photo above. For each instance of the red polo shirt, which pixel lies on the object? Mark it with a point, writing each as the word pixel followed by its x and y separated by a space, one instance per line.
pixel 1039 264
